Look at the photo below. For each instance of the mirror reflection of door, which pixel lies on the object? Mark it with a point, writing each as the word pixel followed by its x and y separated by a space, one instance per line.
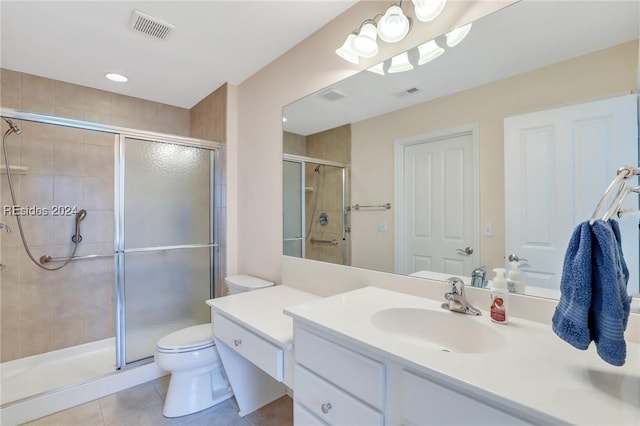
pixel 559 163
pixel 436 186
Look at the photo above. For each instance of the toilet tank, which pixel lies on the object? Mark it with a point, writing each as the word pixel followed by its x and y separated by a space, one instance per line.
pixel 240 283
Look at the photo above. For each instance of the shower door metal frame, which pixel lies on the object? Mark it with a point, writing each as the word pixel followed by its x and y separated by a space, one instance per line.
pixel 345 176
pixel 120 134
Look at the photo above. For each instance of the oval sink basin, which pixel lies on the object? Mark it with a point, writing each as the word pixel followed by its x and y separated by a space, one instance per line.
pixel 443 330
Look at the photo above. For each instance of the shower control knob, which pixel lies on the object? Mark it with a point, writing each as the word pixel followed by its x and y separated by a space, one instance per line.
pixel 325 407
pixel 237 342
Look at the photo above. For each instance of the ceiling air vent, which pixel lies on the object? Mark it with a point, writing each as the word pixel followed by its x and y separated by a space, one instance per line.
pixel 407 92
pixel 150 25
pixel 332 95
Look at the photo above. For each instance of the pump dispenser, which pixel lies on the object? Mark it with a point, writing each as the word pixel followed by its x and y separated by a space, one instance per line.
pixel 499 297
pixel 514 278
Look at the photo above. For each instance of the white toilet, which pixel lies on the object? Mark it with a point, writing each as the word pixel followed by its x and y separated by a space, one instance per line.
pixel 197 380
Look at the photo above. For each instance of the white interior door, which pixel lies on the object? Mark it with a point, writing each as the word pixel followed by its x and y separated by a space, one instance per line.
pixel 558 164
pixel 437 204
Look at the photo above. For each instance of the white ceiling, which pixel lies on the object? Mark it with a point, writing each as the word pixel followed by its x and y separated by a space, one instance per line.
pixel 214 42
pixel 524 36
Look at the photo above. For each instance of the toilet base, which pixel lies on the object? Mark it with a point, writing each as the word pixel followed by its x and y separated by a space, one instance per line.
pixel 190 393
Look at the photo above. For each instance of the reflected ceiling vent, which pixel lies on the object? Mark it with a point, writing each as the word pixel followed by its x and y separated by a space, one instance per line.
pixel 407 92
pixel 332 95
pixel 150 25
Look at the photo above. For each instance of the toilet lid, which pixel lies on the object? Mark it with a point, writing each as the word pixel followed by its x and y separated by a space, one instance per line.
pixel 190 338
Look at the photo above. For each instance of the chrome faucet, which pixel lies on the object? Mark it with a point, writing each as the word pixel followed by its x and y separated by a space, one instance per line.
pixel 479 277
pixel 456 301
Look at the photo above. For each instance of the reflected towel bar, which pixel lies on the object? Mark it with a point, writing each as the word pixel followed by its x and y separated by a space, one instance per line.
pixel 381 206
pixel 333 242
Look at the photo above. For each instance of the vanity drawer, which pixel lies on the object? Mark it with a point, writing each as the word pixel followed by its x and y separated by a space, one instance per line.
pixel 303 417
pixel 355 373
pixel 331 404
pixel 254 348
pixel 423 399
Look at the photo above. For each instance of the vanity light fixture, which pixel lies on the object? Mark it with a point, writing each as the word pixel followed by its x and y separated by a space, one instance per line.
pixel 377 69
pixel 365 44
pixel 393 26
pixel 400 63
pixel 428 10
pixel 346 51
pixel 456 36
pixel 428 52
pixel 118 78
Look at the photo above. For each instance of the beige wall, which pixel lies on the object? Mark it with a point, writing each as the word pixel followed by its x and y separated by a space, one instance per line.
pixel 209 116
pixel 610 72
pixel 43 311
pixel 304 69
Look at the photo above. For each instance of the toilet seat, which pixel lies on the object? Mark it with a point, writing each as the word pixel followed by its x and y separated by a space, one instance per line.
pixel 188 339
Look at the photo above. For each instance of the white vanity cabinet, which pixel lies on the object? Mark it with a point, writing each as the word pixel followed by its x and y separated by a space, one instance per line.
pixel 338 384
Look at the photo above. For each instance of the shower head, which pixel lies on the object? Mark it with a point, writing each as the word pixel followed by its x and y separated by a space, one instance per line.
pixel 13 126
pixel 81 215
pixel 317 169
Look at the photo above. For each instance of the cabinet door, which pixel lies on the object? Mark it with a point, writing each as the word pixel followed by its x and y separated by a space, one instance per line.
pixel 426 402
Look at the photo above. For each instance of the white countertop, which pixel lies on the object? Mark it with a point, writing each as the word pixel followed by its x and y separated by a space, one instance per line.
pixel 533 368
pixel 261 311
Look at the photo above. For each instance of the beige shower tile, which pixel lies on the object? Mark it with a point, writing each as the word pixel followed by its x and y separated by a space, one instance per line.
pixel 9 239
pixel 100 291
pixel 66 112
pixel 88 414
pixel 129 401
pixel 68 330
pixel 98 193
pixel 9 102
pixel 36 190
pixel 96 100
pixel 37 130
pixel 68 95
pixel 69 296
pixel 97 117
pixel 10 300
pixel 37 154
pixel 98 323
pixel 98 161
pixel 68 158
pixel 11 83
pixel 98 227
pixel 146 111
pixel 14 143
pixel 99 138
pixel 36 336
pixel 67 191
pixel 39 229
pixel 37 302
pixel 68 134
pixel 122 106
pixel 10 270
pixel 10 332
pixel 29 272
pixel 173 120
pixel 37 90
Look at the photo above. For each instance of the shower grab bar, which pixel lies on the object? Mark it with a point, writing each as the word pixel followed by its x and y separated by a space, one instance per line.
pixel 140 250
pixel 381 206
pixel 48 259
pixel 333 242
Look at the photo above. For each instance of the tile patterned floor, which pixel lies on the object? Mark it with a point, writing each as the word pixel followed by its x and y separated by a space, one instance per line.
pixel 142 406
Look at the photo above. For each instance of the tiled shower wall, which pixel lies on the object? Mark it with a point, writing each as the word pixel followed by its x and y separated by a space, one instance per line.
pixel 43 311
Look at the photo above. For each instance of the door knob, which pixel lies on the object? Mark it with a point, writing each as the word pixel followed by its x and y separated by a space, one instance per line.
pixel 515 258
pixel 468 251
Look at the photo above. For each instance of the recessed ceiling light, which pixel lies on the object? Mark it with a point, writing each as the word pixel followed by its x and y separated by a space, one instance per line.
pixel 118 78
pixel 284 119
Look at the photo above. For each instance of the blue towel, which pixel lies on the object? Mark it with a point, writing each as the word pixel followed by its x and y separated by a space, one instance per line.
pixel 594 303
pixel 571 318
pixel 611 303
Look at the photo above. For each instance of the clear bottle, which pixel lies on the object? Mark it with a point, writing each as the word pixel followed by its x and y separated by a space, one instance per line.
pixel 514 279
pixel 499 298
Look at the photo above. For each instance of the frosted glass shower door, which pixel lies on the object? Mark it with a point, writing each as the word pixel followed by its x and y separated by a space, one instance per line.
pixel 167 241
pixel 293 208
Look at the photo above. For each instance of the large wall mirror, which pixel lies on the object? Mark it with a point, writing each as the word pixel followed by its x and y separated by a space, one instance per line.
pixel 499 146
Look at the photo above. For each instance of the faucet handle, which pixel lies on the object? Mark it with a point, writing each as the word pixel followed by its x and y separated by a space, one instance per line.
pixel 457 286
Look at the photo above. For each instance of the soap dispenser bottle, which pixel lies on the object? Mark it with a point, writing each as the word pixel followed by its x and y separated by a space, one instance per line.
pixel 514 278
pixel 499 297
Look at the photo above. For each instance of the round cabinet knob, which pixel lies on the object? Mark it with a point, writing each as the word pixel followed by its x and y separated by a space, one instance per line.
pixel 237 342
pixel 325 407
